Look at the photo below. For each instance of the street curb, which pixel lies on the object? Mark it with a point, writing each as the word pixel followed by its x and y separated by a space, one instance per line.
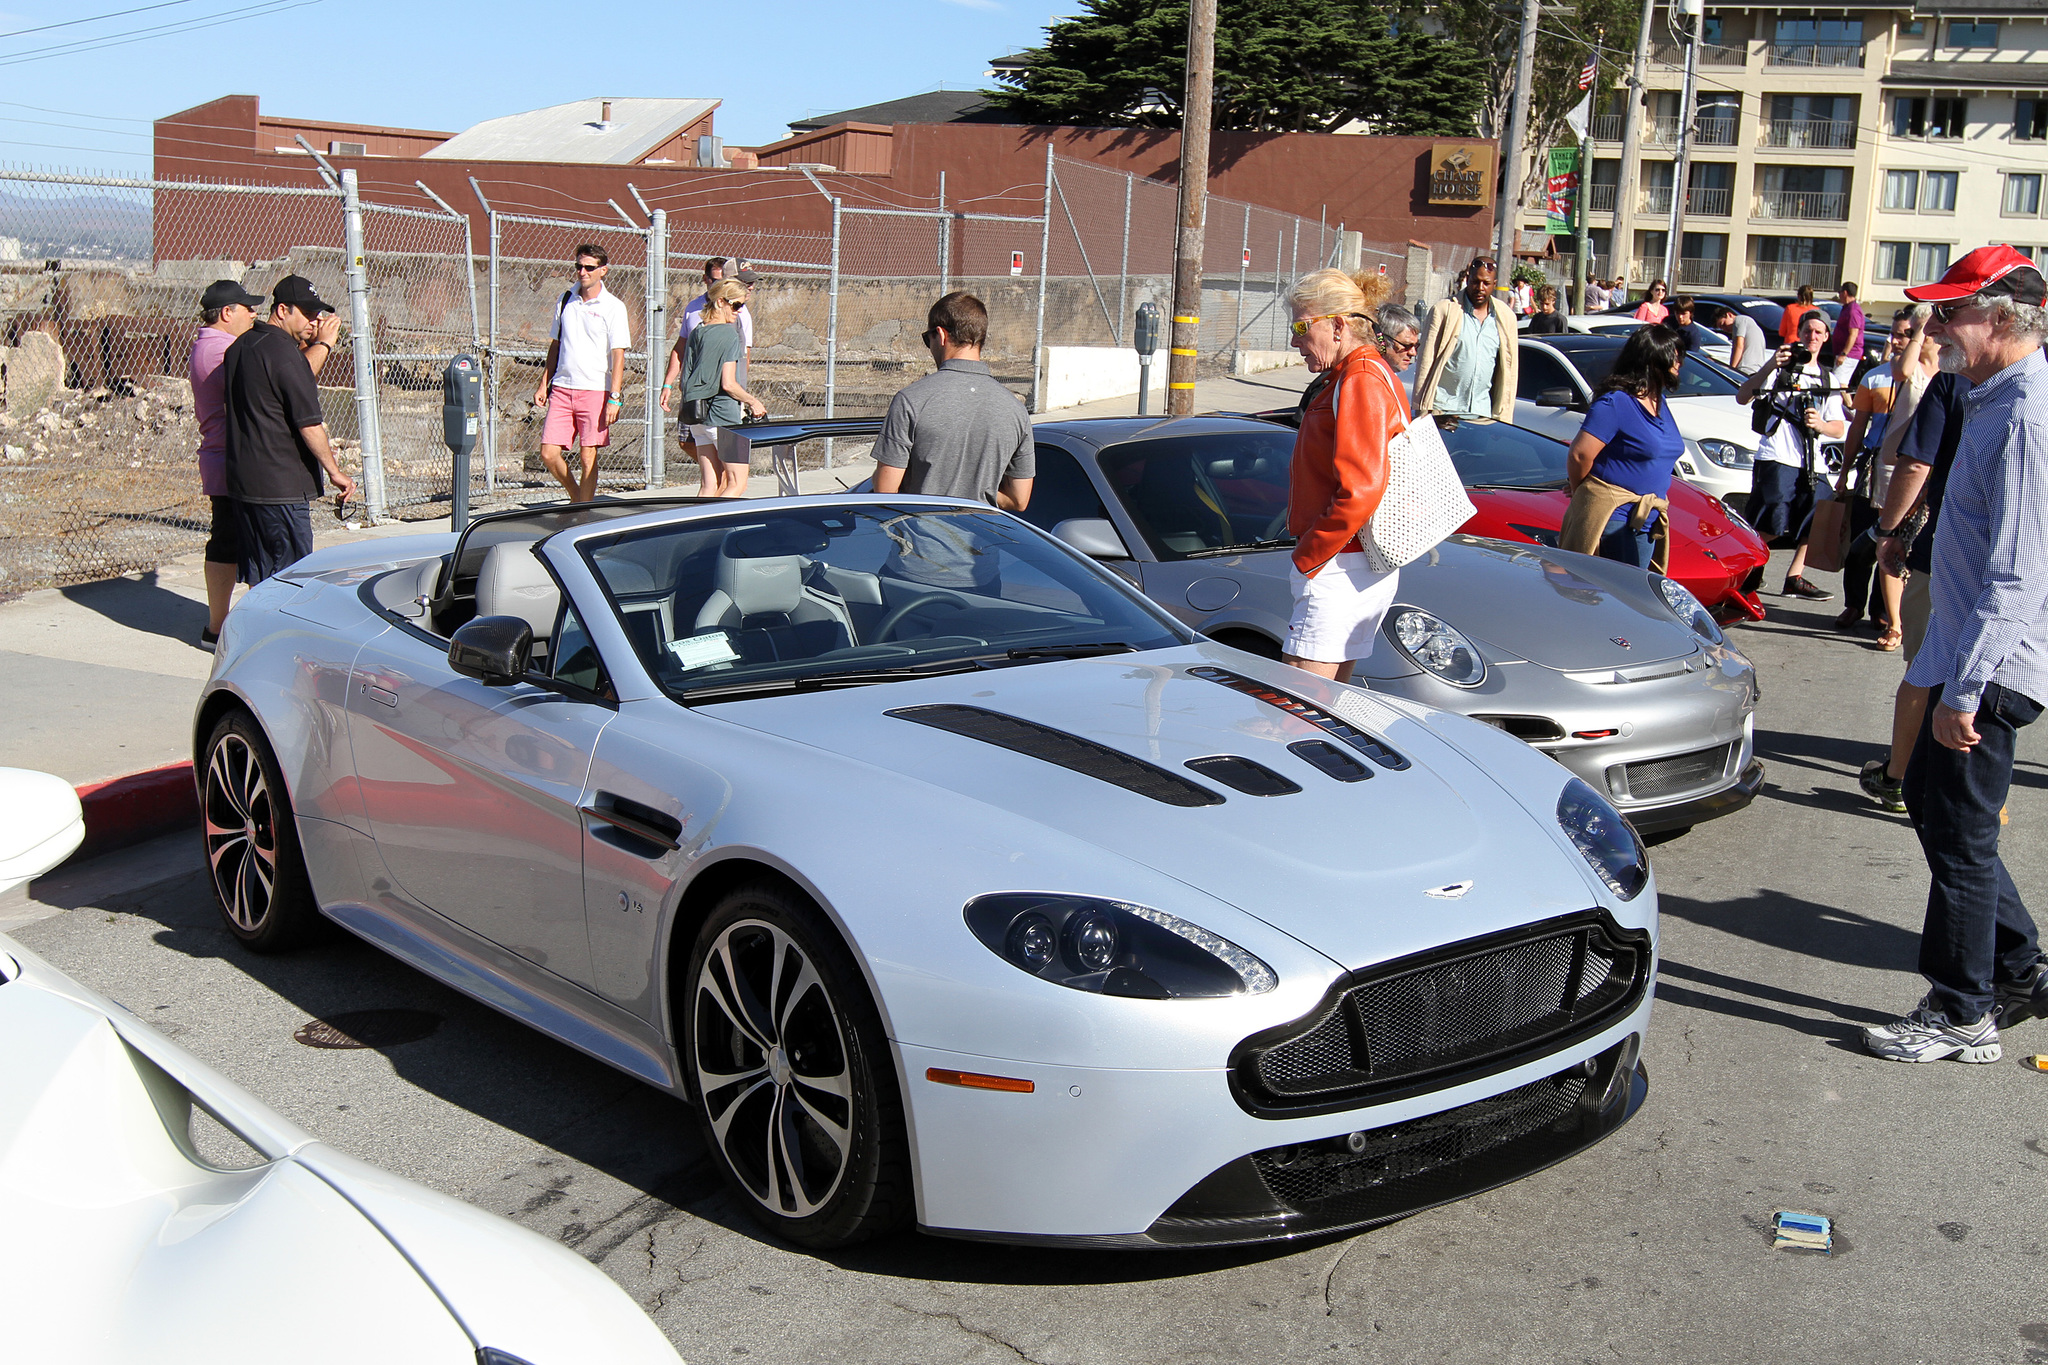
pixel 127 810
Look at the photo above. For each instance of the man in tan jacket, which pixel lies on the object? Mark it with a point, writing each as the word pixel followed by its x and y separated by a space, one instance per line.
pixel 1468 369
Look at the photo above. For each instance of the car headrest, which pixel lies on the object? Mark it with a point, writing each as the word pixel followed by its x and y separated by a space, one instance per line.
pixel 1240 467
pixel 513 582
pixel 760 584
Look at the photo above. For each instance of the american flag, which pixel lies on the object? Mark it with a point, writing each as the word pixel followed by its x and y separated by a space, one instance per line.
pixel 1589 71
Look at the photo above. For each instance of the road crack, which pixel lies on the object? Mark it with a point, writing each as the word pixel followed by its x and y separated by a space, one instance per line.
pixel 992 1338
pixel 1330 1275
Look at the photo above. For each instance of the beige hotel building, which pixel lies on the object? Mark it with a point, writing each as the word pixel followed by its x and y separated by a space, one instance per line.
pixel 1873 143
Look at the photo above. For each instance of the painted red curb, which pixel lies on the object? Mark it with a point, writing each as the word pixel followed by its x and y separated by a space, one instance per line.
pixel 127 810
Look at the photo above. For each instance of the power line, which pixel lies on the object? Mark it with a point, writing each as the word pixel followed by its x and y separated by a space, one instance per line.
pixel 73 23
pixel 157 31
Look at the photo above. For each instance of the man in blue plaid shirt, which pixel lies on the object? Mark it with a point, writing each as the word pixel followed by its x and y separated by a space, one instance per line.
pixel 1986 656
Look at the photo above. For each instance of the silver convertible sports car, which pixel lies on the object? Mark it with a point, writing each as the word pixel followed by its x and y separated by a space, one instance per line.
pixel 953 881
pixel 1621 676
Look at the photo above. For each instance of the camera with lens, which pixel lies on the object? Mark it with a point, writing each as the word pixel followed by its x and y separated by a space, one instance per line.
pixel 1801 357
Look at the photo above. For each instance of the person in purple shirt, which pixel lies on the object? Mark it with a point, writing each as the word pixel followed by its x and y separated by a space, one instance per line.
pixel 226 310
pixel 1847 340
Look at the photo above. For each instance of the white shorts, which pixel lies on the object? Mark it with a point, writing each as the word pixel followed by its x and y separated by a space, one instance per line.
pixel 698 433
pixel 1337 613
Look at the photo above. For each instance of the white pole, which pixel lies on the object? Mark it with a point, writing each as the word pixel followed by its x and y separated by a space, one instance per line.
pixel 365 364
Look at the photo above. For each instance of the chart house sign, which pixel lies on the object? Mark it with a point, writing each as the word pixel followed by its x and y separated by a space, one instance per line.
pixel 1461 173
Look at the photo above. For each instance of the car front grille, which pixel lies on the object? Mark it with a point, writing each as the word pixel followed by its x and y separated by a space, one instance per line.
pixel 1447 1016
pixel 1658 778
pixel 1404 1156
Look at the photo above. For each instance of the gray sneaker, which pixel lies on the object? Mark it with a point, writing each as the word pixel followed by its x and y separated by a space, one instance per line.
pixel 2026 998
pixel 1881 787
pixel 1926 1035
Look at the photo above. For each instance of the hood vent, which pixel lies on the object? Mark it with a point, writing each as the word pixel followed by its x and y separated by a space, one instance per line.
pixel 1067 751
pixel 1358 739
pixel 1243 775
pixel 1330 759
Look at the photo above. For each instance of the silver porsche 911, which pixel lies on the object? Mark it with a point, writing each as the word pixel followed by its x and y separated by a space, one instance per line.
pixel 954 882
pixel 1620 675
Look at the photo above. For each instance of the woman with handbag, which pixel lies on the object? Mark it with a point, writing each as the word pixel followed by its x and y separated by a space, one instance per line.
pixel 1621 463
pixel 1355 448
pixel 707 362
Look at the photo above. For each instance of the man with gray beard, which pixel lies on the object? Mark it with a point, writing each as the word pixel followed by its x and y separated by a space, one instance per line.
pixel 1986 659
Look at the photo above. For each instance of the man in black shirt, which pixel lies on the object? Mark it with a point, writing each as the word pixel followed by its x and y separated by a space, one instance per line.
pixel 277 436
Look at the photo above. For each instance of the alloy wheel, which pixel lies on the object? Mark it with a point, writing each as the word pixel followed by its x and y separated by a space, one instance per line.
pixel 241 832
pixel 771 1058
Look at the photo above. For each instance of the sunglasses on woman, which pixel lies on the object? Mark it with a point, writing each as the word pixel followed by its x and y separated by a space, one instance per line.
pixel 1301 327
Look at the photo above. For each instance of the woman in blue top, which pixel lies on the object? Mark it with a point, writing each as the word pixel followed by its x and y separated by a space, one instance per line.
pixel 1630 439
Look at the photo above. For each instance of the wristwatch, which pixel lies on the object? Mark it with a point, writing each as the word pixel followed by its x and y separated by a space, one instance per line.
pixel 1899 532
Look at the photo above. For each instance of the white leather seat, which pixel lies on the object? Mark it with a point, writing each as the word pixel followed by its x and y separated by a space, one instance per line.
pixel 514 582
pixel 765 604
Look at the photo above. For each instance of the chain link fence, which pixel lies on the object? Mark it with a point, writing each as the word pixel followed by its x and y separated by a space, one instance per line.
pixel 100 280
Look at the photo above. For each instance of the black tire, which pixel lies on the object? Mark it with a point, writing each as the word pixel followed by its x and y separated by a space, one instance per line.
pixel 798 1102
pixel 1251 642
pixel 252 842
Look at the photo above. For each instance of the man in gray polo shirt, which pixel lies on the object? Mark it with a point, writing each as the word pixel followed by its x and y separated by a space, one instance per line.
pixel 954 434
pixel 957 433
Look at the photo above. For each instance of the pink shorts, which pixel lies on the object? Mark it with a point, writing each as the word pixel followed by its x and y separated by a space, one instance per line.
pixel 574 419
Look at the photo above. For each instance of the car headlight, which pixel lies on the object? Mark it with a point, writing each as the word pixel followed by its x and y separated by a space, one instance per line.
pixel 1727 454
pixel 1438 648
pixel 1690 610
pixel 1604 839
pixel 1735 518
pixel 1114 948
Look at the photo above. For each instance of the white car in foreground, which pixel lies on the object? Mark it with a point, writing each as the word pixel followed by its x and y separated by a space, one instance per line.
pixel 120 1242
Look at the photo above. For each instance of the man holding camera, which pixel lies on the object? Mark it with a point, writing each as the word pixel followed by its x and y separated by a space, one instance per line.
pixel 1986 657
pixel 1793 408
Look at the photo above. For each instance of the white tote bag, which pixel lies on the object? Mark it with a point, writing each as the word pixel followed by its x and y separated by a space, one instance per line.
pixel 1425 499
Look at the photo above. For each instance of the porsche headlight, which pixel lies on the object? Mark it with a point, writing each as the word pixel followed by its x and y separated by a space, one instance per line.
pixel 1735 518
pixel 1114 948
pixel 1727 454
pixel 1604 839
pixel 1438 648
pixel 1690 610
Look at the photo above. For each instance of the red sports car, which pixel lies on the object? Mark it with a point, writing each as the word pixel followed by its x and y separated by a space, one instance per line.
pixel 1516 479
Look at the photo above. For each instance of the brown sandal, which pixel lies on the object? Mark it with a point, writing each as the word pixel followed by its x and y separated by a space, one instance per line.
pixel 1891 639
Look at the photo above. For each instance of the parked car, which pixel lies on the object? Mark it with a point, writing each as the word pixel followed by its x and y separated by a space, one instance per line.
pixel 952 880
pixel 1559 375
pixel 41 824
pixel 129 1238
pixel 1529 639
pixel 1600 324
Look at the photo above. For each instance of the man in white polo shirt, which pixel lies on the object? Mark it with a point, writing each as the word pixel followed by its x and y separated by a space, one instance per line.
pixel 583 380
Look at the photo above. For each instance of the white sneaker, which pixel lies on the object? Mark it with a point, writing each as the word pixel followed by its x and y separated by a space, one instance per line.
pixel 1926 1035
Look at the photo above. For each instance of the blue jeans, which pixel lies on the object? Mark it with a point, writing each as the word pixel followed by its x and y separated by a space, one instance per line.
pixel 1978 930
pixel 1619 543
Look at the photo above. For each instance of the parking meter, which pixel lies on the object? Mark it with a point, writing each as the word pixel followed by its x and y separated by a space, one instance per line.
pixel 1145 340
pixel 462 391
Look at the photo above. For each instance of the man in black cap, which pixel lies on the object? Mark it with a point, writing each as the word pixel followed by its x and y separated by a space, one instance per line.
pixel 226 310
pixel 276 434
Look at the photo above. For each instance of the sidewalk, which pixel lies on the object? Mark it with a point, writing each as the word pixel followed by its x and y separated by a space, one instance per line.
pixel 102 678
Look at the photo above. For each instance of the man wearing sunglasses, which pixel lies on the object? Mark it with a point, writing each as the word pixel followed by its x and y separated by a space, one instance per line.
pixel 583 380
pixel 1468 367
pixel 1986 657
pixel 957 433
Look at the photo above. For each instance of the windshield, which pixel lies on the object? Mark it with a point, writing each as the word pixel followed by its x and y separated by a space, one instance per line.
pixel 1496 455
pixel 1695 379
pixel 780 600
pixel 1208 494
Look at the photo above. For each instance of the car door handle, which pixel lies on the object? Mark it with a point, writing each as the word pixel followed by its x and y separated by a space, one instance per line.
pixel 376 693
pixel 640 826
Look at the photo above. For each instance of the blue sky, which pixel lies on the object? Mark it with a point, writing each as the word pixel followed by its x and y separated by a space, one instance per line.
pixel 445 66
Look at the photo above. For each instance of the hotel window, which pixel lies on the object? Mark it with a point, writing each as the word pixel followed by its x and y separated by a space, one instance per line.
pixel 1915 28
pixel 1945 118
pixel 1938 193
pixel 1930 261
pixel 1901 189
pixel 1920 116
pixel 1894 259
pixel 2023 194
pixel 2029 120
pixel 1963 33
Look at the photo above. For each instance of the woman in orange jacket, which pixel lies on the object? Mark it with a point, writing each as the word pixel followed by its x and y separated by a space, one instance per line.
pixel 1339 473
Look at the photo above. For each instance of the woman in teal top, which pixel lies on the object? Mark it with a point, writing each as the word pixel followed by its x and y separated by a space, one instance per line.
pixel 708 363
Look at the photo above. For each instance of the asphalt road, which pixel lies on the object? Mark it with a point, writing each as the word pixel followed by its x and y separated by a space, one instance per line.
pixel 1786 928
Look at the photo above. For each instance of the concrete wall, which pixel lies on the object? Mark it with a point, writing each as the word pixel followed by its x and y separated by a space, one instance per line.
pixel 1082 374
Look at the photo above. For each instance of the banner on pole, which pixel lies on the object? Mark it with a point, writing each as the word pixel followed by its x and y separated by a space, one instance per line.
pixel 1562 190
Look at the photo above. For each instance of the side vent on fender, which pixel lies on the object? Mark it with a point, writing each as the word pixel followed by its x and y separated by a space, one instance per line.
pixel 1067 751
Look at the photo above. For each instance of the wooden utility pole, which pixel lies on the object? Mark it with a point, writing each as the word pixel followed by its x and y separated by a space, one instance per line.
pixel 1621 238
pixel 1510 210
pixel 1194 209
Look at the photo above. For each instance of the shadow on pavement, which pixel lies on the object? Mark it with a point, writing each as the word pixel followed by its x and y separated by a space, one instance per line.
pixel 1822 753
pixel 643 1138
pixel 139 604
pixel 1778 920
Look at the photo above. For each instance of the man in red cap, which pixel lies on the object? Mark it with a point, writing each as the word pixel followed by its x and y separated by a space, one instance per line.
pixel 1986 657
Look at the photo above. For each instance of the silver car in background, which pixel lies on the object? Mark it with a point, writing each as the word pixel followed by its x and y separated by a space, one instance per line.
pixel 1621 676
